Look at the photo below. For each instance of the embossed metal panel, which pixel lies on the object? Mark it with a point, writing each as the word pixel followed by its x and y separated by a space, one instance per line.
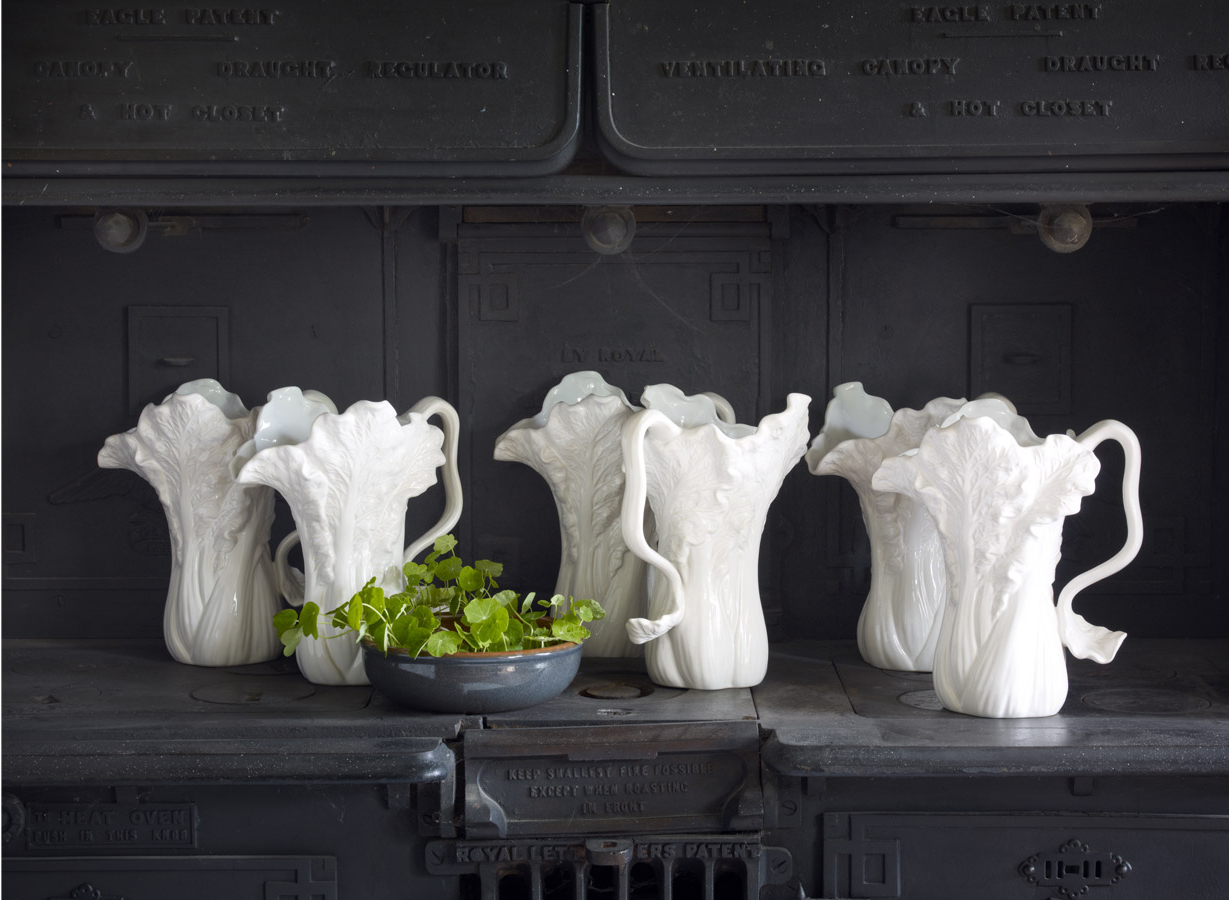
pixel 490 87
pixel 284 877
pixel 851 85
pixel 110 826
pixel 888 855
pixel 607 779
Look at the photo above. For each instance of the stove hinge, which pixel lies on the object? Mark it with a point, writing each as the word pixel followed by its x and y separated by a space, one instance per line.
pixel 782 799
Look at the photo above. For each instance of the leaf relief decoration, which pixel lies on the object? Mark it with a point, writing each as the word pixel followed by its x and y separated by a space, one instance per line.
pixel 706 486
pixel 182 447
pixel 578 452
pixel 221 592
pixel 710 493
pixel 1000 508
pixel 348 483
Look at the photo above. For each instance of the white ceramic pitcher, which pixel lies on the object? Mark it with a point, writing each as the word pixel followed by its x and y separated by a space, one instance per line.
pixel 347 483
pixel 709 486
pixel 900 620
pixel 999 495
pixel 222 593
pixel 575 444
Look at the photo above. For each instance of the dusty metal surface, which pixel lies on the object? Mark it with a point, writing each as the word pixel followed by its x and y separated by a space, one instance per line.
pixel 1161 708
pixel 111 712
pixel 94 712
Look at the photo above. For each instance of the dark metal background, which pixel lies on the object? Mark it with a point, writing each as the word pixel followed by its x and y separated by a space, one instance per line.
pixel 386 240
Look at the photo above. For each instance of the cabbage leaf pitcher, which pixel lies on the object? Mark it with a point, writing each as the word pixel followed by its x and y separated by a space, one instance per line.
pixel 899 625
pixel 222 592
pixel 999 494
pixel 347 478
pixel 709 486
pixel 575 444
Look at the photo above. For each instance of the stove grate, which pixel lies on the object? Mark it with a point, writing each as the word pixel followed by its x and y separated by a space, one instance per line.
pixel 688 867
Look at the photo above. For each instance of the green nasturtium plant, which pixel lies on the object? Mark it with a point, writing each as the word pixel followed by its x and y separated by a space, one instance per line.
pixel 446 607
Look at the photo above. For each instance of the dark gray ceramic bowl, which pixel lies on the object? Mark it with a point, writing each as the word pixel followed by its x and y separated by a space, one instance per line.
pixel 472 682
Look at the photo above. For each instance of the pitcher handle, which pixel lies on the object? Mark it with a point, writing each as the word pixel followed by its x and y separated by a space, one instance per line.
pixel 635 495
pixel 289 580
pixel 1083 639
pixel 451 426
pixel 725 409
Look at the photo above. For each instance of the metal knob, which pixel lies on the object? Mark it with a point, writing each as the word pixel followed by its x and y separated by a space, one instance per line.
pixel 1064 229
pixel 121 230
pixel 608 229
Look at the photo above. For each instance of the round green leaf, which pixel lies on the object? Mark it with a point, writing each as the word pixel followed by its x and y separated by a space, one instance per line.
pixel 514 636
pixel 443 642
pixel 470 579
pixel 488 568
pixel 482 609
pixel 569 628
pixel 491 630
pixel 448 569
pixel 415 573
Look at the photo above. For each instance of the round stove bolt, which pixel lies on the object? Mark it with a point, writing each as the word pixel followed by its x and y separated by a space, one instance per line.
pixel 1064 229
pixel 121 230
pixel 608 230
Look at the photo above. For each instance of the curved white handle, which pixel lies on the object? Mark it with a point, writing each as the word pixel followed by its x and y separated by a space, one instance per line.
pixel 1083 639
pixel 635 494
pixel 725 410
pixel 451 426
pixel 290 581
